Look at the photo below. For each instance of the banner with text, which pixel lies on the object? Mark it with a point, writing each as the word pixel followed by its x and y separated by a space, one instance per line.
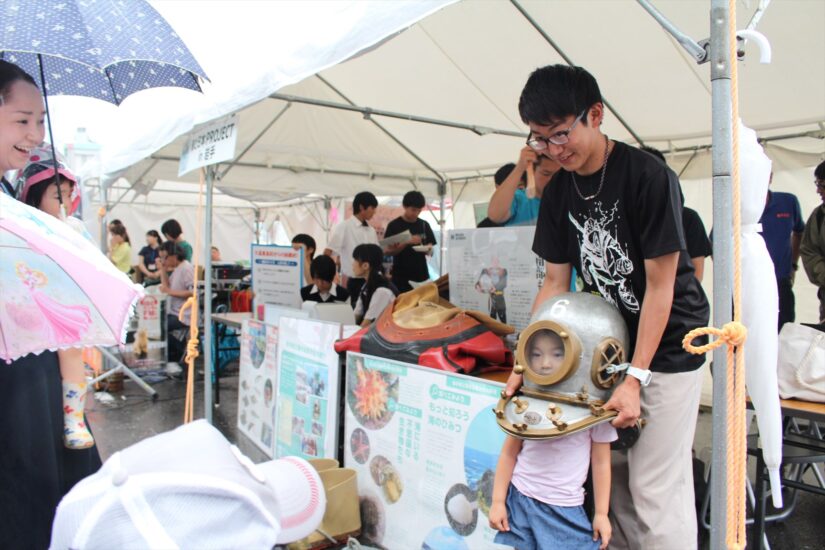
pixel 494 270
pixel 308 388
pixel 210 144
pixel 277 276
pixel 257 380
pixel 425 445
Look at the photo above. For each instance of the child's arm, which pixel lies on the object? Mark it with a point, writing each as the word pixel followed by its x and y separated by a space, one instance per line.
pixel 600 462
pixel 504 473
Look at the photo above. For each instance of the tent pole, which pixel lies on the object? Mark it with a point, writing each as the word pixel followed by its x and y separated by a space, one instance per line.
pixel 442 222
pixel 570 62
pixel 208 365
pixel 722 254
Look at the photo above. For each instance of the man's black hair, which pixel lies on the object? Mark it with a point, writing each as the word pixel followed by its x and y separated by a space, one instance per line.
pixel 555 92
pixel 322 267
pixel 362 201
pixel 414 199
pixel 171 228
pixel 653 151
pixel 173 249
pixel 307 241
pixel 502 173
pixel 819 171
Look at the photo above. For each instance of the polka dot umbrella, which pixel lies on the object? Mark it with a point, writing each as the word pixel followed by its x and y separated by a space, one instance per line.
pixel 107 49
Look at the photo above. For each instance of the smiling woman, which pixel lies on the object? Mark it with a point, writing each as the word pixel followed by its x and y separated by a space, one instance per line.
pixel 36 470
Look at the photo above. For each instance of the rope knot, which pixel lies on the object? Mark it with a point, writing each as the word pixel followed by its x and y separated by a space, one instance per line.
pixel 733 334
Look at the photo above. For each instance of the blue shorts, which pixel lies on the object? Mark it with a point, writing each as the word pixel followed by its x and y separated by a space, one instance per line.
pixel 536 525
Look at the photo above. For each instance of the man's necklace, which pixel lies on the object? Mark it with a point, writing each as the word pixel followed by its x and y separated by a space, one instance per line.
pixel 601 180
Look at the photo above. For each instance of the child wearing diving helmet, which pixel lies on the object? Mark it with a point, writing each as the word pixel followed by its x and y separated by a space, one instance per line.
pixel 538 492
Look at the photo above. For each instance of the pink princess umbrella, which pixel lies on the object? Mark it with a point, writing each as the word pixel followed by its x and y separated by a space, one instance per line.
pixel 56 289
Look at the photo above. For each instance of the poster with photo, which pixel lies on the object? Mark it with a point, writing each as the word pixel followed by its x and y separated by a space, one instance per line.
pixel 425 445
pixel 277 276
pixel 307 394
pixel 257 381
pixel 494 270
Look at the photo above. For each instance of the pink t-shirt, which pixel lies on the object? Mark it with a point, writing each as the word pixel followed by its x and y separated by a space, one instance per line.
pixel 554 470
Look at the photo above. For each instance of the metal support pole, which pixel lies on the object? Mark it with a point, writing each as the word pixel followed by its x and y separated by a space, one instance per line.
pixel 722 256
pixel 693 48
pixel 208 366
pixel 442 222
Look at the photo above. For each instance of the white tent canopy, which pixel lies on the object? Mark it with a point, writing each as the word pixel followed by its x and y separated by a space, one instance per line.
pixel 466 64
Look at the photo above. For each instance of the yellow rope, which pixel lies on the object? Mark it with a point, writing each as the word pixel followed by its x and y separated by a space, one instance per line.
pixel 192 304
pixel 734 335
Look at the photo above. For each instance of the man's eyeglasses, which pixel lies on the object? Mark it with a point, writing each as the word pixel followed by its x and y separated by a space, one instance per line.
pixel 820 184
pixel 539 143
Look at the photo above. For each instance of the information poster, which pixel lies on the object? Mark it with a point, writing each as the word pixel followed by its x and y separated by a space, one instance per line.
pixel 257 381
pixel 149 314
pixel 277 276
pixel 308 388
pixel 425 445
pixel 494 270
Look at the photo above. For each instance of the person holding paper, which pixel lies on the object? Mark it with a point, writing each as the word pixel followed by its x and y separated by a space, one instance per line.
pixel 513 202
pixel 409 258
pixel 350 233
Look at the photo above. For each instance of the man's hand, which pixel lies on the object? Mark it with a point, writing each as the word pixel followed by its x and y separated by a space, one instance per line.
pixel 625 400
pixel 164 288
pixel 602 530
pixel 526 157
pixel 415 240
pixel 514 382
pixel 498 517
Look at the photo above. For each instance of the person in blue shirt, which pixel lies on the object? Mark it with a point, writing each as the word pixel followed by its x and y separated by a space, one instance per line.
pixel 512 203
pixel 782 228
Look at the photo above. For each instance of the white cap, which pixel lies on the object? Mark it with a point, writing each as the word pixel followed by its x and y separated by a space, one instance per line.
pixel 189 488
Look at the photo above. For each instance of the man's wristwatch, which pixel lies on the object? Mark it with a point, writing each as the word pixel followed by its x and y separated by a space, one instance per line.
pixel 643 375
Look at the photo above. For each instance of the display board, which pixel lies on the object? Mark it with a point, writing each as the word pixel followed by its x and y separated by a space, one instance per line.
pixel 308 388
pixel 149 313
pixel 494 270
pixel 277 276
pixel 425 445
pixel 257 381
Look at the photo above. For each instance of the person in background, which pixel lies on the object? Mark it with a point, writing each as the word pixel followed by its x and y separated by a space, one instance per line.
pixel 323 288
pixel 148 257
pixel 120 247
pixel 36 468
pixel 178 286
pixel 302 240
pixel 782 229
pixel 696 237
pixel 410 265
pixel 172 230
pixel 813 242
pixel 511 204
pixel 349 234
pixel 377 293
pixel 215 255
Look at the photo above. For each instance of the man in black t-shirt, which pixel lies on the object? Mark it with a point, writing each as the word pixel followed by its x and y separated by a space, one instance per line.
pixel 615 215
pixel 409 258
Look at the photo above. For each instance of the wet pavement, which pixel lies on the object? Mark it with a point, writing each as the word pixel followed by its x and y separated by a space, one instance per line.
pixel 132 415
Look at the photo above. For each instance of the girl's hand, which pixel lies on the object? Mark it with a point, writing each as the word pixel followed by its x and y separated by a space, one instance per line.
pixel 498 517
pixel 601 529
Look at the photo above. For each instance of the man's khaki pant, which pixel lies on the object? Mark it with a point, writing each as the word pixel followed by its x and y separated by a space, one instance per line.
pixel 651 501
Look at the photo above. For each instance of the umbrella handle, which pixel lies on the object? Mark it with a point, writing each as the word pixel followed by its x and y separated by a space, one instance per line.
pixel 531 180
pixel 51 138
